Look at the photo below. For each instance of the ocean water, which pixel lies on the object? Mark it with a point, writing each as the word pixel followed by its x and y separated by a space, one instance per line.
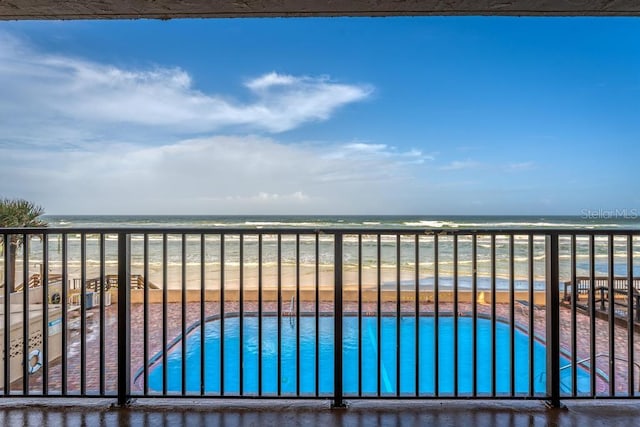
pixel 587 221
pixel 308 252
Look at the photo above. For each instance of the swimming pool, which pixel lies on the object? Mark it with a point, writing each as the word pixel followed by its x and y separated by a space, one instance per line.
pixel 388 356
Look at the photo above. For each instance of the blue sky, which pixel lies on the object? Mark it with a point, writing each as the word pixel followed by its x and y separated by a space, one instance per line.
pixel 424 115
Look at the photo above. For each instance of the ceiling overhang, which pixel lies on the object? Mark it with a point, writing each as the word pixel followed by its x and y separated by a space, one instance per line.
pixel 170 9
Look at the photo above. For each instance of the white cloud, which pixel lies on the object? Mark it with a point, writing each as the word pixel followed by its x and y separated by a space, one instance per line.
pixel 520 166
pixel 270 80
pixel 83 137
pixel 216 175
pixel 46 94
pixel 460 165
pixel 263 197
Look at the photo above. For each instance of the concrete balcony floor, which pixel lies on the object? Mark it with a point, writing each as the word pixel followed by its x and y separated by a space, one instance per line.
pixel 178 413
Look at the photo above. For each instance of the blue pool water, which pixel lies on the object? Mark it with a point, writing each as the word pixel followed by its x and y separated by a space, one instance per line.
pixel 389 358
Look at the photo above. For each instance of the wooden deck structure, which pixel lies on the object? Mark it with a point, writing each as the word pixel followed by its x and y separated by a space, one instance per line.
pixel 602 297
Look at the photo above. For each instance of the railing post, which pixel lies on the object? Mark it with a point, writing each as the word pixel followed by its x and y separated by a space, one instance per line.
pixel 337 324
pixel 124 324
pixel 8 286
pixel 552 299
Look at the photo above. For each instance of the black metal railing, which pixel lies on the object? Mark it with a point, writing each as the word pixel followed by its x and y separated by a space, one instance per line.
pixel 337 314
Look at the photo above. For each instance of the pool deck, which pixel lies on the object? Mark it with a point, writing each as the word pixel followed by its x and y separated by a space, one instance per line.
pixel 92 377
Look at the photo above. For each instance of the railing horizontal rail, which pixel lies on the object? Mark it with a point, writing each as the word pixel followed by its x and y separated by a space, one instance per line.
pixel 326 231
pixel 319 313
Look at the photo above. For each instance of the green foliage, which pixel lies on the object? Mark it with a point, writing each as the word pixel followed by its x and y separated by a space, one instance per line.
pixel 17 213
pixel 20 213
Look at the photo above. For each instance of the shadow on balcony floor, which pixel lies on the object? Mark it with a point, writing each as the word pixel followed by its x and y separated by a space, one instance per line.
pixel 16 412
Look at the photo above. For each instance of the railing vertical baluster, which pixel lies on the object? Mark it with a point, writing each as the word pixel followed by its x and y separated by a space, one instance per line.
pixel 474 313
pixel 612 314
pixel 297 315
pixel 592 314
pixel 279 317
pixel 145 320
pixel 102 314
pixel 165 305
pixel 379 315
pixel 7 319
pixel 83 314
pixel 124 319
pixel 183 316
pixel 25 314
pixel 203 299
pixel 45 314
pixel 436 316
pixel 630 318
pixel 574 320
pixel 530 259
pixel 456 356
pixel 417 314
pixel 512 317
pixel 317 315
pixel 337 325
pixel 398 314
pixel 493 315
pixel 360 334
pixel 553 320
pixel 65 302
pixel 222 313
pixel 241 315
pixel 259 314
